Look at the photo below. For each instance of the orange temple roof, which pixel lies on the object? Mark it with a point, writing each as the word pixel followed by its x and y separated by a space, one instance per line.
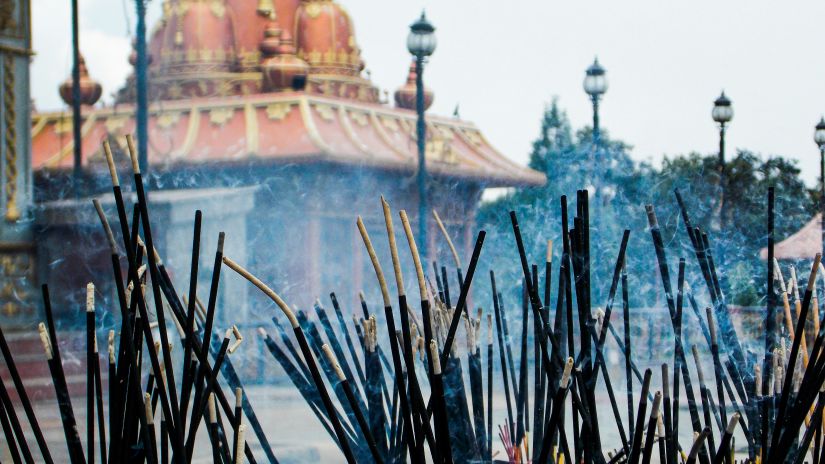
pixel 221 78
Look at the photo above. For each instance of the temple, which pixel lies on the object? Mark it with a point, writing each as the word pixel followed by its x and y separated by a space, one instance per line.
pixel 262 116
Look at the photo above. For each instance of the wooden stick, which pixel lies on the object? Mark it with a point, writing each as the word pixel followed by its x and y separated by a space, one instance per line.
pixel 400 382
pixel 447 238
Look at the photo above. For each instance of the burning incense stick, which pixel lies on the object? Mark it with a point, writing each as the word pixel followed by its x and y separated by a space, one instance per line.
pixel 359 415
pixel 64 402
pixel 24 400
pixel 447 238
pixel 307 353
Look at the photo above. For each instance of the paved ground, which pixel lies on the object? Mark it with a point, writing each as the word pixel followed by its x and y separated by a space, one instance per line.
pixel 293 431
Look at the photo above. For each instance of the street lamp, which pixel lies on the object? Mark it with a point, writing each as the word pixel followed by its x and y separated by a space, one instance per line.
pixel 595 84
pixel 819 138
pixel 421 43
pixel 722 113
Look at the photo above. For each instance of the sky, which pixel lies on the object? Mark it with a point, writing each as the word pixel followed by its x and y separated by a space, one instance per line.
pixel 503 62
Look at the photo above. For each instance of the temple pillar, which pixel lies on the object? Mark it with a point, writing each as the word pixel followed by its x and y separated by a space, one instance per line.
pixel 16 244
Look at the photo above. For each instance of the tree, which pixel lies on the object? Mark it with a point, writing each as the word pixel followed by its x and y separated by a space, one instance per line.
pixel 620 187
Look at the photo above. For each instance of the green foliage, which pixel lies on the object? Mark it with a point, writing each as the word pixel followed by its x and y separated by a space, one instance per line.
pixel 620 187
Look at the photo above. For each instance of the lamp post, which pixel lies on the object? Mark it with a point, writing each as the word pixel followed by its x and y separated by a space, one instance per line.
pixel 819 138
pixel 421 43
pixel 77 173
pixel 141 86
pixel 722 113
pixel 595 84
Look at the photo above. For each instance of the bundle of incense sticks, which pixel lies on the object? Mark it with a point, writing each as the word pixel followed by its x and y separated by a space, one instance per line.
pixel 142 394
pixel 397 386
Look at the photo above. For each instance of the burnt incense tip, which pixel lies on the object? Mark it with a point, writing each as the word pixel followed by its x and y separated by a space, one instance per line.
pixel 262 332
pixel 814 269
pixel 699 372
pixel 110 237
pixel 435 357
pixel 711 325
pixel 44 339
pixel 657 401
pixel 238 397
pixel 660 426
pixel 133 154
pixel 90 297
pixel 734 419
pixel 549 257
pixel 239 455
pixel 213 416
pixel 651 217
pixel 361 297
pixel 110 161
pixel 147 404
pixel 565 376
pixel 333 361
pixel 111 346
pixel 221 238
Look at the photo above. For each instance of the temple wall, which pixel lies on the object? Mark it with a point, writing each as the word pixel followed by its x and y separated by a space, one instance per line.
pixel 293 226
pixel 16 248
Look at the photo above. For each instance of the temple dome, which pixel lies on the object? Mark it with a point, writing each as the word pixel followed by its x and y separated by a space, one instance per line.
pixel 197 37
pixel 325 39
pixel 405 95
pixel 90 89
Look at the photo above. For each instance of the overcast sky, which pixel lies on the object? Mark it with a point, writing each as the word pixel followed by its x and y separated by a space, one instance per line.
pixel 502 62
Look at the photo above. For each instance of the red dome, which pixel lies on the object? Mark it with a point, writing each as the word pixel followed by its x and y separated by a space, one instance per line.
pixel 197 38
pixel 405 95
pixel 325 39
pixel 90 89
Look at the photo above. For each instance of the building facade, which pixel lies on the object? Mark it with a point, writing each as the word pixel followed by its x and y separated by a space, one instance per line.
pixel 262 116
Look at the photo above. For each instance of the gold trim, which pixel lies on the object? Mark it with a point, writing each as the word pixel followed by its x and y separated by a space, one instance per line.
pixel 326 112
pixel 278 111
pixel 220 116
pixel 39 124
pixel 20 51
pixel 10 119
pixel 113 124
pixel 348 130
pixel 55 159
pixel 312 129
pixel 167 119
pixel 382 134
pixel 191 132
pixel 251 115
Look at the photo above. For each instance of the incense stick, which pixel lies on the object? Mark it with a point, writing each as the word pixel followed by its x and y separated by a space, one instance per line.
pixel 307 353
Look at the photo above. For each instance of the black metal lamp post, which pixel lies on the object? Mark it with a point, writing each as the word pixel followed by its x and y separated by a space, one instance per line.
pixel 595 84
pixel 141 85
pixel 819 138
pixel 421 43
pixel 722 113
